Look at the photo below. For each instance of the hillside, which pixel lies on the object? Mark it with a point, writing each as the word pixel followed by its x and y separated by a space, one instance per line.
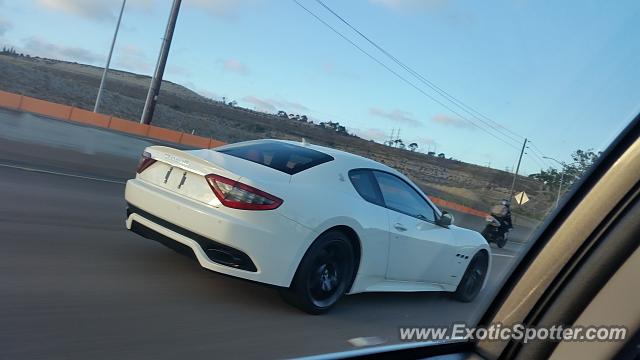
pixel 182 109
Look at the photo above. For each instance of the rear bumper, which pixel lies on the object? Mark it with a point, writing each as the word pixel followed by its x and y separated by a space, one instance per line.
pixel 216 252
pixel 261 246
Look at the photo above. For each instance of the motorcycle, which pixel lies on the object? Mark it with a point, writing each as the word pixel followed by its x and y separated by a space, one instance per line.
pixel 495 231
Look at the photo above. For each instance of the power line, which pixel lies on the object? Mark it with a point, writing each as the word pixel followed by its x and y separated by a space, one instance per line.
pixel 400 76
pixel 538 153
pixel 537 160
pixel 468 109
pixel 538 150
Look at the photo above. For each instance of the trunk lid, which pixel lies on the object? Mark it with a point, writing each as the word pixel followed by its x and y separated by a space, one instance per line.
pixel 183 172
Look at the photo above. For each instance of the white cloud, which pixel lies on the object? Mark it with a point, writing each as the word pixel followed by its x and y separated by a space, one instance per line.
pixel 371 134
pixel 208 94
pixel 132 58
pixel 260 104
pixel 96 10
pixel 273 105
pixel 41 47
pixel 289 105
pixel 234 66
pixel 447 120
pixel 396 115
pixel 99 10
pixel 423 140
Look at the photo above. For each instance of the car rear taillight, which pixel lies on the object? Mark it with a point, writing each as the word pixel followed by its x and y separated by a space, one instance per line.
pixel 144 162
pixel 237 195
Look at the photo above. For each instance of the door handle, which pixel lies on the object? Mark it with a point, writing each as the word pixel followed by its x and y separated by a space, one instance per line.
pixel 399 227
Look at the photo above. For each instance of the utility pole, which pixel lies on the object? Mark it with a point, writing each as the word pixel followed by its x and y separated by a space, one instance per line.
pixel 156 81
pixel 106 67
pixel 515 176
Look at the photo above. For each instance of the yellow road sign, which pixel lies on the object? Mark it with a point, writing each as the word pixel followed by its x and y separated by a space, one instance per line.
pixel 521 198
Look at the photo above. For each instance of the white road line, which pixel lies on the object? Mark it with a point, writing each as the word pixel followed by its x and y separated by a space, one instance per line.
pixel 60 173
pixel 504 255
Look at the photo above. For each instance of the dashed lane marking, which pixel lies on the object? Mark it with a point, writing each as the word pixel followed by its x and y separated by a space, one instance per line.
pixel 25 168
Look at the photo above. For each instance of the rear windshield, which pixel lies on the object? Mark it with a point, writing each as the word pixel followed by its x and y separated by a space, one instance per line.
pixel 284 157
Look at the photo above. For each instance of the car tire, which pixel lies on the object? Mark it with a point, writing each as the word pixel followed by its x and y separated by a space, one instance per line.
pixel 473 278
pixel 324 274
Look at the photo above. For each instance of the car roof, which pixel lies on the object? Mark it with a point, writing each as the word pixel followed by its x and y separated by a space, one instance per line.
pixel 347 159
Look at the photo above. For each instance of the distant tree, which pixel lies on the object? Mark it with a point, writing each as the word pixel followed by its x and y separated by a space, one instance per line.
pixel 329 125
pixel 233 103
pixel 441 155
pixel 399 143
pixel 550 177
pixel 283 114
pixel 9 51
pixel 569 173
pixel 431 153
pixel 304 118
pixel 413 146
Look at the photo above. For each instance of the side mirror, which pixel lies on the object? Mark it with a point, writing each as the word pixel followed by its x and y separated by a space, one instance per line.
pixel 445 220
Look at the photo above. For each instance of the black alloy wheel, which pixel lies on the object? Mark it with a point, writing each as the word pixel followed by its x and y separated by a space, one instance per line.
pixel 324 274
pixel 473 278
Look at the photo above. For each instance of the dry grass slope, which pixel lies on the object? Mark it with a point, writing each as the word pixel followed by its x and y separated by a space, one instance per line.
pixel 182 109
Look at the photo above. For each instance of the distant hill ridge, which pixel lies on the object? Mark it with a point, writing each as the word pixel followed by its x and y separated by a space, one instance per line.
pixel 182 109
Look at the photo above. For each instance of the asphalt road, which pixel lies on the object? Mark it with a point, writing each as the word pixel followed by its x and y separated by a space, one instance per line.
pixel 75 284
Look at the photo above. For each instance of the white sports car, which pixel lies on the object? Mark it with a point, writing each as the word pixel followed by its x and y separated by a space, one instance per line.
pixel 314 221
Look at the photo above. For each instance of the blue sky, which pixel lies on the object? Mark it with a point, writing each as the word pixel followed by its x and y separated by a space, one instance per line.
pixel 563 74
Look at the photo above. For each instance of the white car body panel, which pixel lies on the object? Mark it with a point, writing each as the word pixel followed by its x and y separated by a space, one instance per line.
pixel 426 257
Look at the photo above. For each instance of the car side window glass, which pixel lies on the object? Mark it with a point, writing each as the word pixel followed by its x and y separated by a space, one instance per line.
pixel 365 184
pixel 401 197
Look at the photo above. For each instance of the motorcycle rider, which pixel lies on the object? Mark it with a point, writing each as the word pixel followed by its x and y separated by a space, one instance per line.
pixel 506 220
pixel 500 214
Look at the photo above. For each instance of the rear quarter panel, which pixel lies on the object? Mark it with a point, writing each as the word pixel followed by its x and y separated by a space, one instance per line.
pixel 323 197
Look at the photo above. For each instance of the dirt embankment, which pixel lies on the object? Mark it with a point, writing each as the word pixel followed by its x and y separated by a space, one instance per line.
pixel 182 109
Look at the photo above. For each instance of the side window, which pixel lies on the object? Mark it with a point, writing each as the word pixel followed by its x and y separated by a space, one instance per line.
pixel 365 184
pixel 401 197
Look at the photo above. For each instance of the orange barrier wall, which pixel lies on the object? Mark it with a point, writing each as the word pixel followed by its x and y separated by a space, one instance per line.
pixel 46 108
pixel 194 140
pixel 457 207
pixel 164 134
pixel 128 126
pixel 89 117
pixel 65 112
pixel 215 143
pixel 9 100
